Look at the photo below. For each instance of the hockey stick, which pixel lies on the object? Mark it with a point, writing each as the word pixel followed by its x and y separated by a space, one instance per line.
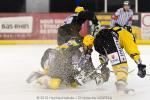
pixel 128 72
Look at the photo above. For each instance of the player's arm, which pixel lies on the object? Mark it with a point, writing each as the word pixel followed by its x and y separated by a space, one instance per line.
pixel 114 18
pixel 113 21
pixel 131 48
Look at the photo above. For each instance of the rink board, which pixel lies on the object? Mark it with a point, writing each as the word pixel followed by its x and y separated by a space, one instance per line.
pixel 7 42
pixel 41 28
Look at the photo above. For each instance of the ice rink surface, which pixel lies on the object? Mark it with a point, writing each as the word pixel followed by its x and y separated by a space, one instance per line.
pixel 18 61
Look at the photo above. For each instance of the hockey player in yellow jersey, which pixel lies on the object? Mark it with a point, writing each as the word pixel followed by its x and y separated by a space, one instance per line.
pixel 73 24
pixel 109 43
pixel 63 65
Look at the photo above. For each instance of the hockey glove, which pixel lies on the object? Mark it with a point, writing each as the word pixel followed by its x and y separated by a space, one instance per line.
pixel 141 70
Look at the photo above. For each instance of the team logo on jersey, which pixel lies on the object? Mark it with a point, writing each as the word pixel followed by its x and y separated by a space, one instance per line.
pixel 114 58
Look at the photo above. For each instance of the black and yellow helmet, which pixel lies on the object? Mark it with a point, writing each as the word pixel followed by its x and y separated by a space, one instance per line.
pixel 88 41
pixel 79 9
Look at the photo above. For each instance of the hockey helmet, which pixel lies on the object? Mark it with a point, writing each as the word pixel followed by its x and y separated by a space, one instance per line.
pixel 79 9
pixel 88 41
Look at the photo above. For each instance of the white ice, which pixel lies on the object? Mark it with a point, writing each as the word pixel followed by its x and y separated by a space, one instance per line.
pixel 18 61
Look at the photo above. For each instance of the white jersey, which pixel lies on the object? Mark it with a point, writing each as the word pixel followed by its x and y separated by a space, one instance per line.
pixel 122 17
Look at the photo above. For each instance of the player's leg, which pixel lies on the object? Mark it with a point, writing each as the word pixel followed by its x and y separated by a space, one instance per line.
pixel 120 66
pixel 99 47
pixel 105 72
pixel 114 53
pixel 48 82
pixel 54 83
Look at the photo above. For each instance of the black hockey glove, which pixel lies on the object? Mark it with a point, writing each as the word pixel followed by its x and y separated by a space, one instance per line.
pixel 141 70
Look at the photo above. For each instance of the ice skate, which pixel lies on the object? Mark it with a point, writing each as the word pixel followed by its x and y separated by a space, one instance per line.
pixel 122 89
